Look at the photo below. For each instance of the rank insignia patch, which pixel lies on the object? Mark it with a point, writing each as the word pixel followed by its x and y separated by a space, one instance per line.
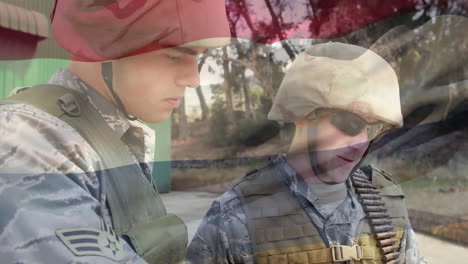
pixel 92 242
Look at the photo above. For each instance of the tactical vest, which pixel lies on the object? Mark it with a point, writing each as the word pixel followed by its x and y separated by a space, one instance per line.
pixel 282 232
pixel 136 207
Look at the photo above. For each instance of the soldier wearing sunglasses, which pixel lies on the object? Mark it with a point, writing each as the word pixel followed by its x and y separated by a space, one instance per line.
pixel 316 204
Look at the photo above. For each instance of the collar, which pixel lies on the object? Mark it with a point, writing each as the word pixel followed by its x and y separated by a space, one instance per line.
pixel 295 182
pixel 112 115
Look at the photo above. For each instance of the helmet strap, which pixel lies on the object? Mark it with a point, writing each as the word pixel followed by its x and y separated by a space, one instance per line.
pixel 312 153
pixel 315 169
pixel 311 139
pixel 107 75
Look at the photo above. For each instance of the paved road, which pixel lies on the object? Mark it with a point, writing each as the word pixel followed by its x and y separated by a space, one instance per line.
pixel 192 206
pixel 438 251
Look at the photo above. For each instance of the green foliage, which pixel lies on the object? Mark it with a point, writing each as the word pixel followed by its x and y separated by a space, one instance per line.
pixel 218 125
pixel 265 104
pixel 175 130
pixel 254 132
pixel 256 92
pixel 248 132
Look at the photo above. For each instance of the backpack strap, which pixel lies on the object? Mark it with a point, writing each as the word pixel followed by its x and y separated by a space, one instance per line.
pixel 132 200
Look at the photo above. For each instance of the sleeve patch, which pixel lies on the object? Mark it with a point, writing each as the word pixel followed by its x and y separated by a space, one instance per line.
pixel 92 242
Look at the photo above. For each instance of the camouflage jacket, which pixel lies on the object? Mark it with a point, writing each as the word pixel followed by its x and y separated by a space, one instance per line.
pixel 223 236
pixel 50 180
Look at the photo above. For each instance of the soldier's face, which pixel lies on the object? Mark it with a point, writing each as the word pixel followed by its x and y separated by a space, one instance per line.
pixel 337 152
pixel 151 85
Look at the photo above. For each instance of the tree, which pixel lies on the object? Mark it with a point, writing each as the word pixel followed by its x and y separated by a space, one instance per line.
pixel 247 101
pixel 228 81
pixel 182 118
pixel 201 97
pixel 279 29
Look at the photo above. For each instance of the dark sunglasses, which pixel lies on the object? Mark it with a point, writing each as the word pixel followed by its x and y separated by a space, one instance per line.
pixel 353 124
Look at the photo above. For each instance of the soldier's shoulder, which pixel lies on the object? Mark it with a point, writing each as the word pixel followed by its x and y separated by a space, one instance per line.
pixel 371 171
pixel 13 113
pixel 27 131
pixel 382 179
pixel 254 173
pixel 229 201
pixel 19 120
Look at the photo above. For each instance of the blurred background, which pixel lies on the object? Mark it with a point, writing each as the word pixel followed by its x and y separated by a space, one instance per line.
pixel 220 130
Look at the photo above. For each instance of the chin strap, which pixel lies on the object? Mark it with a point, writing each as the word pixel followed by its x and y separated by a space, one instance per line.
pixel 311 135
pixel 313 157
pixel 314 165
pixel 106 70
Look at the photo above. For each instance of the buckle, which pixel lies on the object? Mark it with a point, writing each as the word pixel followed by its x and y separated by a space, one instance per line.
pixel 69 105
pixel 345 253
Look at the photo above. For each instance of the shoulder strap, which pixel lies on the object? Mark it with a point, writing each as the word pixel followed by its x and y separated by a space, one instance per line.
pixel 126 184
pixel 136 208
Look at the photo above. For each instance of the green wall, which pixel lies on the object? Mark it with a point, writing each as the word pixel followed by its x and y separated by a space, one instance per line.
pixel 27 73
pixel 162 158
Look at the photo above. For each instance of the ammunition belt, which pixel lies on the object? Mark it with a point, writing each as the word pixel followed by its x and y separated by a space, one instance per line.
pixel 379 220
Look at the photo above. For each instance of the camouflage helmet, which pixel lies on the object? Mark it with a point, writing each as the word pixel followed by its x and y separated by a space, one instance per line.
pixel 102 30
pixel 342 76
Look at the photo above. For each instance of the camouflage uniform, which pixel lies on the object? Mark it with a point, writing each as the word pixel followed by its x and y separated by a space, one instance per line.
pixel 50 179
pixel 223 236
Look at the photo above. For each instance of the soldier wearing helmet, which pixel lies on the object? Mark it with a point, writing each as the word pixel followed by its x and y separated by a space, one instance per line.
pixel 76 166
pixel 315 204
